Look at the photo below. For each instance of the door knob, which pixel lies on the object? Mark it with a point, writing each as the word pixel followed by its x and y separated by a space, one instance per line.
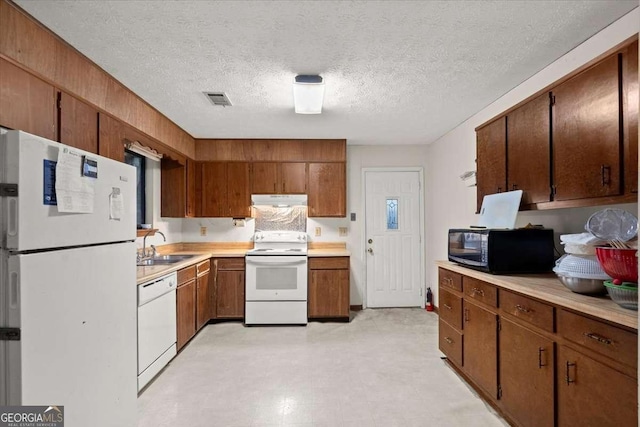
pixel 370 250
pixel 370 241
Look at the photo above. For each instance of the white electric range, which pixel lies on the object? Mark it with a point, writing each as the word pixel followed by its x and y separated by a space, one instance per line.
pixel 276 279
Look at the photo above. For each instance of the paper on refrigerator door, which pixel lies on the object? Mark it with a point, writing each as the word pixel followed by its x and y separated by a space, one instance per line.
pixel 116 204
pixel 75 192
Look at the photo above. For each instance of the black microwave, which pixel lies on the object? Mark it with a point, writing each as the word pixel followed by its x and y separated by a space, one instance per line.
pixel 522 250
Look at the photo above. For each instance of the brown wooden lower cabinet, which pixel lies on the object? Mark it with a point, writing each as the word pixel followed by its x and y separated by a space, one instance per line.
pixel 538 363
pixel 228 295
pixel 328 287
pixel 480 346
pixel 526 375
pixel 591 394
pixel 186 312
pixel 203 311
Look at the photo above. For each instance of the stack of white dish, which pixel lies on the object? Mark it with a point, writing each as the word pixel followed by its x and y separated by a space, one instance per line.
pixel 580 270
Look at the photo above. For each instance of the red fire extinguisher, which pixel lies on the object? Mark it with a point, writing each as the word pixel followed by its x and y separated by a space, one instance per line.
pixel 429 304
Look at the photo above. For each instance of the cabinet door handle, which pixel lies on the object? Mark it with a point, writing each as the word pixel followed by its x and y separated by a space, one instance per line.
pixel 540 364
pixel 514 187
pixel 284 187
pixel 607 169
pixel 274 187
pixel 568 377
pixel 599 338
pixel 499 189
pixel 448 307
pixel 478 291
pixel 522 309
pixel 449 340
pixel 466 314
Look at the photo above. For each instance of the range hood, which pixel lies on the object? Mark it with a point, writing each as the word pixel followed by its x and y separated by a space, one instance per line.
pixel 279 200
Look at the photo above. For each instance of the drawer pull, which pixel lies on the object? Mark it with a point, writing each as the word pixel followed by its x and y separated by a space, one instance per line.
pixel 523 309
pixel 568 377
pixel 448 307
pixel 477 291
pixel 466 314
pixel 540 364
pixel 449 340
pixel 598 338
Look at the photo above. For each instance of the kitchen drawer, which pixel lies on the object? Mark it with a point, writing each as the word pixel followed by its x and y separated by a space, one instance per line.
pixel 186 274
pixel 203 267
pixel 230 263
pixel 450 308
pixel 328 263
pixel 450 343
pixel 616 343
pixel 527 309
pixel 449 279
pixel 480 291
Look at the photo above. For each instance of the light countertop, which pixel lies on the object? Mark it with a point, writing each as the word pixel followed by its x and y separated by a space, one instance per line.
pixel 547 287
pixel 152 272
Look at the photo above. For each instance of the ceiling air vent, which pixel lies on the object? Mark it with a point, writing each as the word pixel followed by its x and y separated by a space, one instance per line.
pixel 218 98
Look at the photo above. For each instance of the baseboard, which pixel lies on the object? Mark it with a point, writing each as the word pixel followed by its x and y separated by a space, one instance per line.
pixel 357 307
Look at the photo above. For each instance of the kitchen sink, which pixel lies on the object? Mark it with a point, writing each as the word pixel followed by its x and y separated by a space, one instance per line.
pixel 164 259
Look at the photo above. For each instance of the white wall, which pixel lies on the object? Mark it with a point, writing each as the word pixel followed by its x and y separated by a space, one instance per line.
pixel 451 204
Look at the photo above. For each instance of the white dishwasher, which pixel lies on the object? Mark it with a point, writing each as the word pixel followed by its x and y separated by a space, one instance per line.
pixel 156 326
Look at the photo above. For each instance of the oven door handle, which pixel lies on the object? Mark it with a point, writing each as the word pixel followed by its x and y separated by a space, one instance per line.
pixel 302 261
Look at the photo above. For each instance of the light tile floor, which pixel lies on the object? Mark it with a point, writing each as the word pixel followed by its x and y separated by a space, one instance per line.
pixel 381 369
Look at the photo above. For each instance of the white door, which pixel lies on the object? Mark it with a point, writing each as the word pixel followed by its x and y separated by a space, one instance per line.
pixel 393 244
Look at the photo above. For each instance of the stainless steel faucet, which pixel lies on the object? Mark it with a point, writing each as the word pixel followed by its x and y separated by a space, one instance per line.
pixel 144 243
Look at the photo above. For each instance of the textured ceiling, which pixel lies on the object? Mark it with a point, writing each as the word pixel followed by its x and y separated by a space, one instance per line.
pixel 395 72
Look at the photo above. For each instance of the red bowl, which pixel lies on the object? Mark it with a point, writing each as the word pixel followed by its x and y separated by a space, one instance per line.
pixel 621 264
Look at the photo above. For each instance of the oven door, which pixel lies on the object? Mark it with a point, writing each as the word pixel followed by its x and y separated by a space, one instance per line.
pixel 276 278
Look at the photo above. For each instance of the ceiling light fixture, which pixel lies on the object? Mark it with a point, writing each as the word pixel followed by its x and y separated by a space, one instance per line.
pixel 308 94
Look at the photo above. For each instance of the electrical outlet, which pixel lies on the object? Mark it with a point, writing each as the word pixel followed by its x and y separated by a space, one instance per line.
pixel 203 231
pixel 318 231
pixel 342 231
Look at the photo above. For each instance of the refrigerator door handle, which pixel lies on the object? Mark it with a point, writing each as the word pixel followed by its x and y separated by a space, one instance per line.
pixel 13 289
pixel 9 334
pixel 8 190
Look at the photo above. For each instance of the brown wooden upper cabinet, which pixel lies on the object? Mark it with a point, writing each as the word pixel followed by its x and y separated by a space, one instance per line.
pixel 491 159
pixel 630 121
pixel 528 157
pixel 110 138
pixel 573 144
pixel 173 178
pixel 327 190
pixel 194 188
pixel 78 124
pixel 27 103
pixel 225 190
pixel 278 178
pixel 586 133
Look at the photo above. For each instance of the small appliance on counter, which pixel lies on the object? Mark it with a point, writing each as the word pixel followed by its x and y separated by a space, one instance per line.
pixel 523 250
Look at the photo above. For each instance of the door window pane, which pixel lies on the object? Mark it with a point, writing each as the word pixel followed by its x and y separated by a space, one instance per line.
pixel 392 214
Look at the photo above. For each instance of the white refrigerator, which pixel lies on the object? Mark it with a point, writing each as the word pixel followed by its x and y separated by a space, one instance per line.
pixel 67 281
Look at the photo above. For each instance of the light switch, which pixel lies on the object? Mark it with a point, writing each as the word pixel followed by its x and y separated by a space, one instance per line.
pixel 342 231
pixel 353 216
